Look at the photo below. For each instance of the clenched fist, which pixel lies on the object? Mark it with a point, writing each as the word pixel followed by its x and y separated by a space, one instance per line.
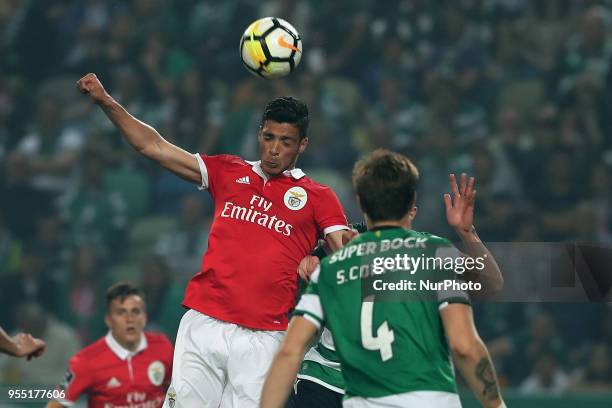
pixel 90 84
pixel 28 346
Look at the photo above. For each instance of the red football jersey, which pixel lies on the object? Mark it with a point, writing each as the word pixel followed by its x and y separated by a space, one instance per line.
pixel 261 230
pixel 114 377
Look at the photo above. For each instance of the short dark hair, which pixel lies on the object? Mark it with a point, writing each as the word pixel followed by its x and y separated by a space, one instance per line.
pixel 121 290
pixel 386 184
pixel 287 109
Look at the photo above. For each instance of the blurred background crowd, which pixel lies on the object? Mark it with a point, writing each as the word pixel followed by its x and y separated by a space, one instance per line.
pixel 515 92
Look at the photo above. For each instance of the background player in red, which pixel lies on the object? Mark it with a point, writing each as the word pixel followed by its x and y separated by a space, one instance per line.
pixel 125 368
pixel 268 216
pixel 21 345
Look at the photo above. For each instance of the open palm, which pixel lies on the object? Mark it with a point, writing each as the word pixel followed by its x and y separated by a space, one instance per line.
pixel 460 208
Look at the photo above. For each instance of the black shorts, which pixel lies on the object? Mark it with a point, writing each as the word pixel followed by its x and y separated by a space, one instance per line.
pixel 312 395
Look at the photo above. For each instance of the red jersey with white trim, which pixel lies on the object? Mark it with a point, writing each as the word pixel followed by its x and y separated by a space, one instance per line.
pixel 261 231
pixel 113 377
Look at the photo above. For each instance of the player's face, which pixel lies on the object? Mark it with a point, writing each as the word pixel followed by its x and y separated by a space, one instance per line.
pixel 126 320
pixel 279 146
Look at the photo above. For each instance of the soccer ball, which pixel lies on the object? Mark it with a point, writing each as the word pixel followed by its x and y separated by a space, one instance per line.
pixel 270 48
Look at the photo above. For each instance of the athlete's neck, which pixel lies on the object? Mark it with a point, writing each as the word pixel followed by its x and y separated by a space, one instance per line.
pixel 128 345
pixel 405 223
pixel 269 176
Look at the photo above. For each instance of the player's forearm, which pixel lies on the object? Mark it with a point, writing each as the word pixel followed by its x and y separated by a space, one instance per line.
pixel 280 378
pixel 334 241
pixel 7 344
pixel 477 369
pixel 54 404
pixel 490 276
pixel 144 138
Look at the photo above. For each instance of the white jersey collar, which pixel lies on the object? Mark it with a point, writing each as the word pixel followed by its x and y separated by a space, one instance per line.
pixel 121 351
pixel 295 173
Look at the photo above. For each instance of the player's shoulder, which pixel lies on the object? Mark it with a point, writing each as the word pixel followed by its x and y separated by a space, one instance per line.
pixel 90 353
pixel 159 346
pixel 157 338
pixel 314 186
pixel 225 159
pixel 431 238
pixel 158 342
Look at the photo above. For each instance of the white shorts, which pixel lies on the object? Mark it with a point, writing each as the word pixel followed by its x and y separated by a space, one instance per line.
pixel 219 364
pixel 429 399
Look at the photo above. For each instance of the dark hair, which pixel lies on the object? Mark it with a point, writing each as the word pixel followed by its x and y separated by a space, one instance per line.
pixel 287 110
pixel 121 290
pixel 386 184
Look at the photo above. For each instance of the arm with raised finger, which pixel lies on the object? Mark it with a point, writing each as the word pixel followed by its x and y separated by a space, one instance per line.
pixel 460 216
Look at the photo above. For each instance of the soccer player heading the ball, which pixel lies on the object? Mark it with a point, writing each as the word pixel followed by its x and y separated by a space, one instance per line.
pixel 394 350
pixel 127 367
pixel 268 216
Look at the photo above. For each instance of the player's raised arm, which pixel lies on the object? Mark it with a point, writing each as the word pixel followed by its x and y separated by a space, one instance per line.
pixel 141 136
pixel 460 216
pixel 286 363
pixel 470 354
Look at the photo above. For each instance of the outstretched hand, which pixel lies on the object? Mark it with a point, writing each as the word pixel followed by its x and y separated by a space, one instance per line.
pixel 460 208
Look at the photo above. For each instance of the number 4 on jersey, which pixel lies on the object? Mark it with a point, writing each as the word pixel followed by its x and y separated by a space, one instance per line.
pixel 384 336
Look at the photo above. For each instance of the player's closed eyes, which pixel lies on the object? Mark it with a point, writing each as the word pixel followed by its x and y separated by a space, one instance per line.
pixel 123 312
pixel 287 142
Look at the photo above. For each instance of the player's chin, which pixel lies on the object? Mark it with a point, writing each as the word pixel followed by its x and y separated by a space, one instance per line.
pixel 132 334
pixel 273 169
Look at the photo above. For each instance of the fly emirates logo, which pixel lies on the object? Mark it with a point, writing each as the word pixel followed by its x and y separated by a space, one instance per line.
pixel 257 213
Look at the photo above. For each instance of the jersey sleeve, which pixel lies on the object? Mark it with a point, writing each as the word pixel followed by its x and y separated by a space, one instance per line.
pixel 329 213
pixel 309 305
pixel 449 253
pixel 211 169
pixel 77 381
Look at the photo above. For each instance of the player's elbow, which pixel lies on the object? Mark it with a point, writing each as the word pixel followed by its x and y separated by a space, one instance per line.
pixel 496 285
pixel 152 151
pixel 290 352
pixel 465 347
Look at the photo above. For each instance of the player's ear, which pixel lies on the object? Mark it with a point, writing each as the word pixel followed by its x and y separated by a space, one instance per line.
pixel 303 144
pixel 413 212
pixel 107 320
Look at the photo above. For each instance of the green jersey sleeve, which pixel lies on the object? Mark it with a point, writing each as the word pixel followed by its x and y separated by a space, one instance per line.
pixel 309 305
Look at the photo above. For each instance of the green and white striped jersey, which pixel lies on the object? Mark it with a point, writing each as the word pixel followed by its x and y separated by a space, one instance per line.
pixel 321 364
pixel 385 343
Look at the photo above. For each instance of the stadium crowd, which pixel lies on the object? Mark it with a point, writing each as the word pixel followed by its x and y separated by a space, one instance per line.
pixel 516 92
